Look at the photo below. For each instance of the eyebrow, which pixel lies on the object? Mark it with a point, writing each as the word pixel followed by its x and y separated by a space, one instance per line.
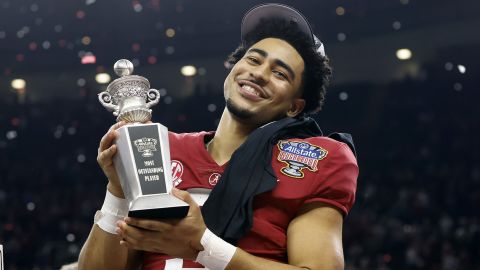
pixel 277 61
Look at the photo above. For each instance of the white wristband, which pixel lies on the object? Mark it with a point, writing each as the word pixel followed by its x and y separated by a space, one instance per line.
pixel 113 210
pixel 217 253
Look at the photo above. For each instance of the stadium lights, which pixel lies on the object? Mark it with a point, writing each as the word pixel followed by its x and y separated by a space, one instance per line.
pixel 102 78
pixel 88 58
pixel 188 71
pixel 18 84
pixel 404 54
pixel 86 40
pixel 170 32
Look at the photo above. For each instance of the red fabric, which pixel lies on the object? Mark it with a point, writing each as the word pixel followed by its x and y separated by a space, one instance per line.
pixel 332 180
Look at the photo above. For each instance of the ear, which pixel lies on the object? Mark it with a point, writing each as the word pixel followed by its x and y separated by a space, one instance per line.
pixel 296 107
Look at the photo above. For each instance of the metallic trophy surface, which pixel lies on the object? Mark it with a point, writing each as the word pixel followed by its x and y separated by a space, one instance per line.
pixel 143 152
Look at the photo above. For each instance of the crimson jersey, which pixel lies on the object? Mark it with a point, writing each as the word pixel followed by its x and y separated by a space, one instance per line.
pixel 316 169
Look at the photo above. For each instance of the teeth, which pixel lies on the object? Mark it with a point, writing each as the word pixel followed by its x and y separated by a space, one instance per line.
pixel 250 89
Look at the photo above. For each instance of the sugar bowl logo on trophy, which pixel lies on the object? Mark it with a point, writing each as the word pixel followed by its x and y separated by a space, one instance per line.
pixel 298 156
pixel 146 146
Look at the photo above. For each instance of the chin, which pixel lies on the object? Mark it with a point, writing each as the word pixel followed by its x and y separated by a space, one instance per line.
pixel 238 112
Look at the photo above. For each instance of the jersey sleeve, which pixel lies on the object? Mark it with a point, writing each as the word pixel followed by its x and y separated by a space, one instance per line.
pixel 337 184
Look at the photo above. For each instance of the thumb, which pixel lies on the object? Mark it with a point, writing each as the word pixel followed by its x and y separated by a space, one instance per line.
pixel 184 196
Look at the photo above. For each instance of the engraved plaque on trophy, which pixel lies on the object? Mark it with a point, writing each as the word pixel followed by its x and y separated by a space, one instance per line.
pixel 142 160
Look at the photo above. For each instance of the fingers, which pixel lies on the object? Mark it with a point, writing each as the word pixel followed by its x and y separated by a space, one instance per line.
pixel 105 157
pixel 109 137
pixel 184 196
pixel 106 140
pixel 152 225
pixel 131 236
pixel 194 209
pixel 117 125
pixel 140 234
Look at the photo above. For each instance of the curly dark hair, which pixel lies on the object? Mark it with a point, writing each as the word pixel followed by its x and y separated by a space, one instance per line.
pixel 317 72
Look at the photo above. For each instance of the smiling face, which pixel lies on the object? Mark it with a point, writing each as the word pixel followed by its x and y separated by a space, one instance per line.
pixel 265 84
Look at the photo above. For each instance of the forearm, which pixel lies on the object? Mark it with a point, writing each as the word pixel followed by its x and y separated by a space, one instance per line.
pixel 102 250
pixel 245 261
pixel 219 254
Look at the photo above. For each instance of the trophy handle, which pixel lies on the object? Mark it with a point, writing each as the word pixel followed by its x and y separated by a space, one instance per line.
pixel 106 100
pixel 153 96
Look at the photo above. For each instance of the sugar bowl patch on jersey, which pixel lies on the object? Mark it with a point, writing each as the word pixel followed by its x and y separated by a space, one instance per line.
pixel 298 155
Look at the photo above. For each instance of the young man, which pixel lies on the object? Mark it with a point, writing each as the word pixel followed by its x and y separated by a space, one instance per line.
pixel 281 189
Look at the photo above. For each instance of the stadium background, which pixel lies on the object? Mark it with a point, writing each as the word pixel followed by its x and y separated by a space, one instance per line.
pixel 415 121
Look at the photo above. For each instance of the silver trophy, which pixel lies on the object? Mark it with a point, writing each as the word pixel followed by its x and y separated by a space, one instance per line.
pixel 143 152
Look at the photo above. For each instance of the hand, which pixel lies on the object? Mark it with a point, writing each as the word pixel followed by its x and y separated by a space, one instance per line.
pixel 106 150
pixel 179 238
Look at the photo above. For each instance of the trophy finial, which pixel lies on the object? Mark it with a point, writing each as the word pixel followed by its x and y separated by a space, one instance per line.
pixel 123 67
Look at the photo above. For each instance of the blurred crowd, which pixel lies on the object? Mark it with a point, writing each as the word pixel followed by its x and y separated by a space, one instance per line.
pixel 418 191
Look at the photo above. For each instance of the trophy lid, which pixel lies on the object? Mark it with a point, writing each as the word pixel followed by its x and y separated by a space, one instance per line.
pixel 128 84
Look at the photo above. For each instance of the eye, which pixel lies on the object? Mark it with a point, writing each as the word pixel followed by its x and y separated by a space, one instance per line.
pixel 280 74
pixel 253 60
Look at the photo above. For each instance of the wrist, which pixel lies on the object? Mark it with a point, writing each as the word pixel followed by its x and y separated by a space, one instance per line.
pixel 197 244
pixel 115 190
pixel 217 253
pixel 113 210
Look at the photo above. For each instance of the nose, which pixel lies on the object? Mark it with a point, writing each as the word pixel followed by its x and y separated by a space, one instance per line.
pixel 260 73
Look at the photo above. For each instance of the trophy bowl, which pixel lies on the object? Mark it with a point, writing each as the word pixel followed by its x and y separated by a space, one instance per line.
pixel 130 96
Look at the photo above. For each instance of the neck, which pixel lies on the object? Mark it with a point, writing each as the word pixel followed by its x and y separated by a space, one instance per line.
pixel 230 134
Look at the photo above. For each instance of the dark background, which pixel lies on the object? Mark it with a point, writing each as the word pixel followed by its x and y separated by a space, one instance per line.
pixel 415 122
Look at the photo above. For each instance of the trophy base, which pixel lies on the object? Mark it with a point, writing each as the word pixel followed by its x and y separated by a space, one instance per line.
pixel 158 206
pixel 160 213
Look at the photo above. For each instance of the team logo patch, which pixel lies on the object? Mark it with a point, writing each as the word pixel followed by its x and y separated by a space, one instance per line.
pixel 213 179
pixel 146 146
pixel 298 156
pixel 177 171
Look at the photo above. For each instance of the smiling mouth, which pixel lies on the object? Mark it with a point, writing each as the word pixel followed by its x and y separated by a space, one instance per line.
pixel 251 89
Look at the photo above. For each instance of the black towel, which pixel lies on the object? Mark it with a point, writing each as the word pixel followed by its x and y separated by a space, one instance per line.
pixel 345 138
